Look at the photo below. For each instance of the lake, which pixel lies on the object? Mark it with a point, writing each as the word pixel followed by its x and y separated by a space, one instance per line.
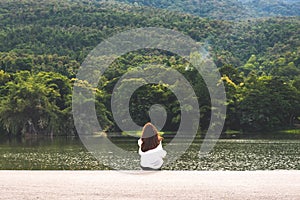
pixel 68 153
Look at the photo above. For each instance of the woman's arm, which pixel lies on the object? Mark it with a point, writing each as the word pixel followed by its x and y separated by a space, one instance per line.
pixel 164 153
pixel 140 142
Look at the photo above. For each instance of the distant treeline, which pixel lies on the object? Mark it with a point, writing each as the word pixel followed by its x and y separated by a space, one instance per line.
pixel 226 9
pixel 43 43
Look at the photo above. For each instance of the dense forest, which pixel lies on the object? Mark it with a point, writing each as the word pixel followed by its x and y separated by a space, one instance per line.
pixel 226 9
pixel 43 43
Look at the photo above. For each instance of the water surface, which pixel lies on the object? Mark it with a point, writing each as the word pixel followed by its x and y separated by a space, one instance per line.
pixel 68 153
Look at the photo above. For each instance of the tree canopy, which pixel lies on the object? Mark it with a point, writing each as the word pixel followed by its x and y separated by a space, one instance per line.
pixel 43 43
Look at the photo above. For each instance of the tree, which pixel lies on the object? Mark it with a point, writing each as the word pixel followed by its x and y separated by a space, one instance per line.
pixel 36 104
pixel 267 103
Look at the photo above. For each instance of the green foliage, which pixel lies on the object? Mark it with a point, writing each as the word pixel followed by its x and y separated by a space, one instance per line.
pixel 42 44
pixel 225 9
pixel 36 103
pixel 267 103
pixel 13 62
pixel 74 28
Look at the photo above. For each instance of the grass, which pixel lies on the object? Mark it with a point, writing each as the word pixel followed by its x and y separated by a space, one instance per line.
pixel 139 133
pixel 290 131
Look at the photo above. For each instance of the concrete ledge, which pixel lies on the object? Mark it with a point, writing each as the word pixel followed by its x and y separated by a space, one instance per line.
pixel 150 185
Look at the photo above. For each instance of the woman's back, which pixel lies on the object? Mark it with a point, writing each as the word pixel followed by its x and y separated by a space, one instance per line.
pixel 150 148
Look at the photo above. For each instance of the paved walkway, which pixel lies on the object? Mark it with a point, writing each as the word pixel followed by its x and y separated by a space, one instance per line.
pixel 150 185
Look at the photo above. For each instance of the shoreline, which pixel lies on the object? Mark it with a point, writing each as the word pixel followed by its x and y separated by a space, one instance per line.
pixel 278 184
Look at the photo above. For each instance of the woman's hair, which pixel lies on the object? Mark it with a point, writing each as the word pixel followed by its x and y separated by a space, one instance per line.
pixel 150 137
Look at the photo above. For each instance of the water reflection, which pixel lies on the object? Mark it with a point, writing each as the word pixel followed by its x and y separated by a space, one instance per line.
pixel 35 140
pixel 68 153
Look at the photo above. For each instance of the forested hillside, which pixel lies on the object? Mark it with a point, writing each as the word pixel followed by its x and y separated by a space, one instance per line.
pixel 226 9
pixel 43 43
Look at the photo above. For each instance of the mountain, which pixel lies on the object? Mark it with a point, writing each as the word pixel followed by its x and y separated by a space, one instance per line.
pixel 43 43
pixel 226 9
pixel 75 27
pixel 267 8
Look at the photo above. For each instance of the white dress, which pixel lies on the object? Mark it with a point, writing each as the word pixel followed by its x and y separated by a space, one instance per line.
pixel 152 158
